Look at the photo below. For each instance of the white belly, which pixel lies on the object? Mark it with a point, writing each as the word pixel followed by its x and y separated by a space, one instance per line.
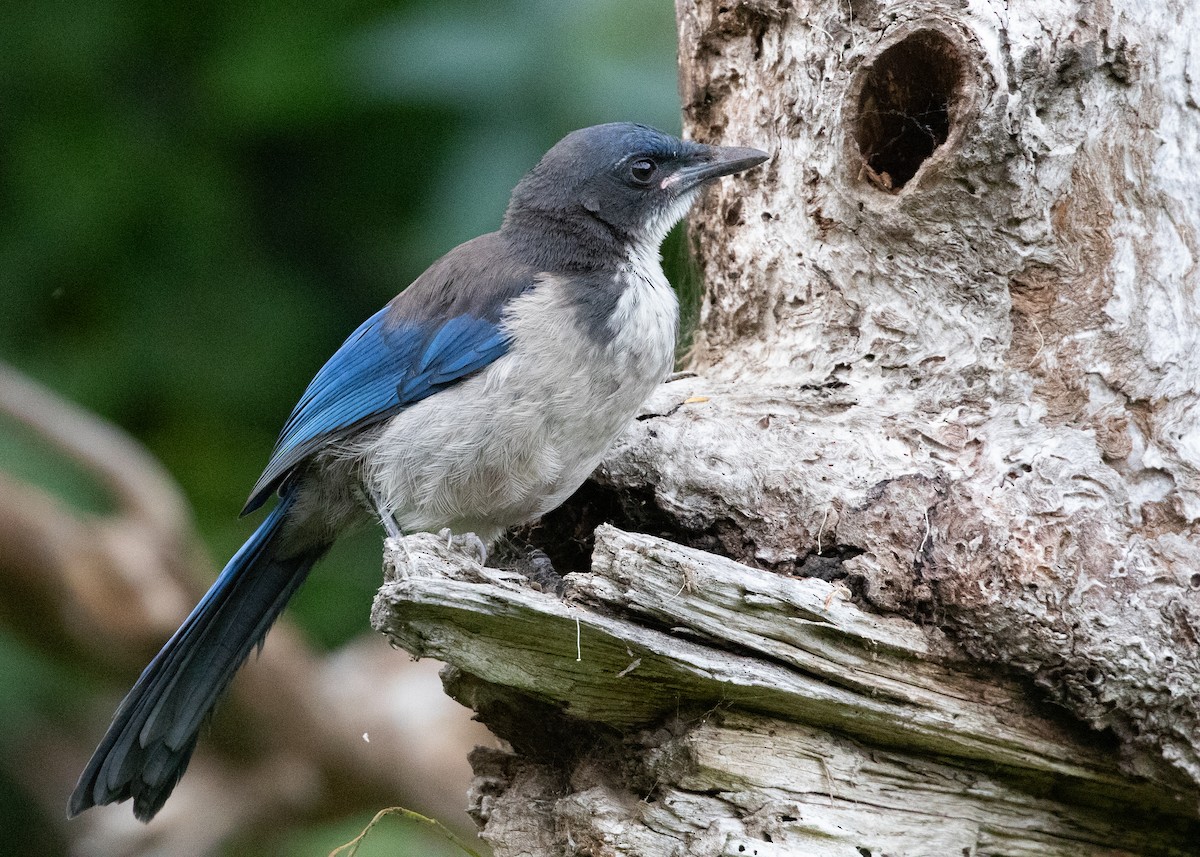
pixel 514 441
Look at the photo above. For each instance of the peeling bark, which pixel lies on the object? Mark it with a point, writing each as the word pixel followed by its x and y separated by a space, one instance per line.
pixel 676 702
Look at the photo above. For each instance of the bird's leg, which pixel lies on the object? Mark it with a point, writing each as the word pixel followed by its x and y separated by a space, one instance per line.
pixel 375 501
pixel 391 527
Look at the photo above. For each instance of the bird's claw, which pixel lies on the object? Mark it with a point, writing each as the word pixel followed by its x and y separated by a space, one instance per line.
pixel 468 542
pixel 538 568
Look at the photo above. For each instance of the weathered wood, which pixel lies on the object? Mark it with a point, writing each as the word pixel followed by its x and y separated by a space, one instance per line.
pixel 737 785
pixel 757 690
pixel 984 381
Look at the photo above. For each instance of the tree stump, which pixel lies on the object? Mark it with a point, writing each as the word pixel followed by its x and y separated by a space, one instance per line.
pixel 925 571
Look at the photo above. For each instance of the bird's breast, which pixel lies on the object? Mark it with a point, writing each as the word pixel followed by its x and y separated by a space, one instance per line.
pixel 515 440
pixel 645 322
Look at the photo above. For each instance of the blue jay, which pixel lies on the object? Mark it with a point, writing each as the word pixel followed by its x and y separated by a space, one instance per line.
pixel 478 399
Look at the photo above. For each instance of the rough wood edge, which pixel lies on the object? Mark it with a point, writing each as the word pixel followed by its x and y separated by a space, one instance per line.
pixel 656 629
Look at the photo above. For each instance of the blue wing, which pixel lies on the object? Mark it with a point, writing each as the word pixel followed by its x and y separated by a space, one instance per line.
pixel 384 366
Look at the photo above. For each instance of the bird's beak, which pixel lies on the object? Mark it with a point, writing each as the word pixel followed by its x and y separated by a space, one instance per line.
pixel 712 162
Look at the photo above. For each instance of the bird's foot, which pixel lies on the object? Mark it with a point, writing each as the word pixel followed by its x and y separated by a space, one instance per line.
pixel 468 542
pixel 535 565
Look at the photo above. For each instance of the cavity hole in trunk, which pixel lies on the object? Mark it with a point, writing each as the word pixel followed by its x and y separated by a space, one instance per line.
pixel 907 106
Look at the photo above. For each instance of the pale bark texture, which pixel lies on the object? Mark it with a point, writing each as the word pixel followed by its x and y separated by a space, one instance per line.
pixel 925 569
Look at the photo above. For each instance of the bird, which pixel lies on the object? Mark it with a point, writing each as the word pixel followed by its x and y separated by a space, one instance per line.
pixel 478 399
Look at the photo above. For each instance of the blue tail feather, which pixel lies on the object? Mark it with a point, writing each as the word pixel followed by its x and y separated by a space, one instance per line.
pixel 150 741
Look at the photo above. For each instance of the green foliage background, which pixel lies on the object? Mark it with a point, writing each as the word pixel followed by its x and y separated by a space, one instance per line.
pixel 199 201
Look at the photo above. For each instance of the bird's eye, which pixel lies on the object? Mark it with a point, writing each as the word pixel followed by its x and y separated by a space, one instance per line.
pixel 642 170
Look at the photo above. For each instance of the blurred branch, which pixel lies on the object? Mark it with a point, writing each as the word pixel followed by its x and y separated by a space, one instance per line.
pixel 106 590
pixel 142 490
pixel 94 587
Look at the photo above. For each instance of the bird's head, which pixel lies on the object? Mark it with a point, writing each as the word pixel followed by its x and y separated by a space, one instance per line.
pixel 616 188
